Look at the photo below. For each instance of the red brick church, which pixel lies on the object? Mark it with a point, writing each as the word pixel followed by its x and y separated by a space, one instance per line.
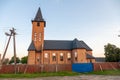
pixel 43 51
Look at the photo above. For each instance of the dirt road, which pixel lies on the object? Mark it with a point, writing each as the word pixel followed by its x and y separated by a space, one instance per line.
pixel 80 77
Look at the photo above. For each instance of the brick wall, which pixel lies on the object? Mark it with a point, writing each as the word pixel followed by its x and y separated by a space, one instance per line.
pixel 35 68
pixel 54 67
pixel 19 69
pixel 106 66
pixel 57 52
pixel 31 57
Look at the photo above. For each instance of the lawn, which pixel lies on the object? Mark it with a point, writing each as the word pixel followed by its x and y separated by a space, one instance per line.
pixel 44 74
pixel 106 72
pixel 47 74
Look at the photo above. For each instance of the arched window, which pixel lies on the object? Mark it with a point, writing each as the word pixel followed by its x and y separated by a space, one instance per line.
pixel 68 56
pixel 38 59
pixel 61 56
pixel 53 57
pixel 38 23
pixel 46 55
pixel 76 55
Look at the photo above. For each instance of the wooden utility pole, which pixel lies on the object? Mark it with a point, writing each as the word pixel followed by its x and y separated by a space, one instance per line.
pixel 14 45
pixel 6 46
pixel 12 33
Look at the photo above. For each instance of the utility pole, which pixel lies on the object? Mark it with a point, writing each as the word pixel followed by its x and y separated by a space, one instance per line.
pixel 14 45
pixel 12 33
pixel 6 46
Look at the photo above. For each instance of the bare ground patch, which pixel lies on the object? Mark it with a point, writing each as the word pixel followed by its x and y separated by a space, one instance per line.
pixel 80 77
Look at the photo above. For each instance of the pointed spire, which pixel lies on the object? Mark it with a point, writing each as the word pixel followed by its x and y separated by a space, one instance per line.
pixel 38 16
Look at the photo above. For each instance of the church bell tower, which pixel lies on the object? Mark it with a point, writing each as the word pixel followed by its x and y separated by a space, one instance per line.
pixel 35 50
pixel 38 25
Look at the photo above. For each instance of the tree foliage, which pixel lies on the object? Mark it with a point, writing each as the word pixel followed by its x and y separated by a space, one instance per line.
pixel 24 59
pixel 112 53
pixel 12 60
pixel 5 61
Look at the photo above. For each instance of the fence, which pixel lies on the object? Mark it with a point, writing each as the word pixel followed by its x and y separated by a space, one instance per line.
pixel 106 66
pixel 82 67
pixel 35 68
pixel 85 67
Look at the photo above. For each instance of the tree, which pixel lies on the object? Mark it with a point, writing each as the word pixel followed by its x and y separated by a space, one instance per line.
pixel 112 53
pixel 12 60
pixel 117 54
pixel 5 61
pixel 24 60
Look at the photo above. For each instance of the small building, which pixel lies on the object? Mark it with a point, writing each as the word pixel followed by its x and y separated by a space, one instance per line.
pixel 43 51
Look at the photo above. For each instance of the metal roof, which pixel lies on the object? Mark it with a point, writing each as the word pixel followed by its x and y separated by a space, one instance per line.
pixel 62 45
pixel 57 44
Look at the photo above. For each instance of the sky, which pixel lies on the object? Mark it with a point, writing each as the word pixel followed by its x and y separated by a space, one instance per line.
pixel 96 22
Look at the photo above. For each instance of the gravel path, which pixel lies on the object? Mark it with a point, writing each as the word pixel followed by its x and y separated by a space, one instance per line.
pixel 81 77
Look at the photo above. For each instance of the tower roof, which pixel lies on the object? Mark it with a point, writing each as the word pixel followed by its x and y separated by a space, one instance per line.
pixel 38 16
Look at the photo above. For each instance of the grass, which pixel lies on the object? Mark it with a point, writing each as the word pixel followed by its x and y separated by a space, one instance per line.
pixel 44 74
pixel 47 74
pixel 105 72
